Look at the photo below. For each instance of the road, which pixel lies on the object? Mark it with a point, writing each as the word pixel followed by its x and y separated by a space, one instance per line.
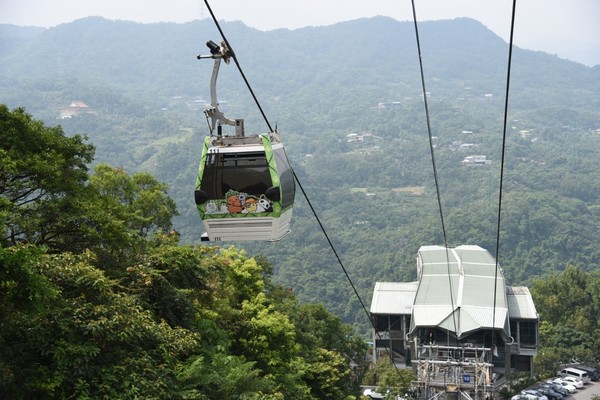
pixel 587 391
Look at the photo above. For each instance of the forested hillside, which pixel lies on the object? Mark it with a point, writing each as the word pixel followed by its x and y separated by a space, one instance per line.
pixel 98 300
pixel 375 197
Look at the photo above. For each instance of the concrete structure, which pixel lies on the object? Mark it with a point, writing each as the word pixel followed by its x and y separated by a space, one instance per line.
pixel 459 327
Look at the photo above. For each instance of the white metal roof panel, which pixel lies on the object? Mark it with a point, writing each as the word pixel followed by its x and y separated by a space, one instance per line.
pixel 435 289
pixel 484 318
pixel 479 291
pixel 520 303
pixel 431 302
pixel 465 279
pixel 393 297
pixel 430 315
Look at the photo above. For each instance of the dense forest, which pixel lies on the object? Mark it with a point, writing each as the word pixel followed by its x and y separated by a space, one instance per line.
pixel 375 196
pixel 98 299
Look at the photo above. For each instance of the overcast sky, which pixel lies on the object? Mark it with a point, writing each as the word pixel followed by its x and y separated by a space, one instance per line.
pixel 568 28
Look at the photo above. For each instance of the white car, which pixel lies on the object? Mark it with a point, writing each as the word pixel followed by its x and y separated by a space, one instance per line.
pixel 573 381
pixel 524 396
pixel 538 395
pixel 373 394
pixel 566 385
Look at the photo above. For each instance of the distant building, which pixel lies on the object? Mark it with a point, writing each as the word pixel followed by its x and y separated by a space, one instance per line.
pixel 476 160
pixel 410 190
pixel 524 133
pixel 394 105
pixel 359 138
pixel 458 326
pixel 353 137
pixel 75 108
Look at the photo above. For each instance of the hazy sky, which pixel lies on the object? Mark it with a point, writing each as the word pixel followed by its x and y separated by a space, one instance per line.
pixel 569 28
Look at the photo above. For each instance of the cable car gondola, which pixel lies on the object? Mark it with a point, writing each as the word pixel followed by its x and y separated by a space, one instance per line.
pixel 245 187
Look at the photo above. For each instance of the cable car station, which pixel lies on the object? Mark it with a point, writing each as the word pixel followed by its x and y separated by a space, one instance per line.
pixel 459 327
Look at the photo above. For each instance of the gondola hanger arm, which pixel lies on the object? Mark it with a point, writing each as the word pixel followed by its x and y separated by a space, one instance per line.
pixel 216 116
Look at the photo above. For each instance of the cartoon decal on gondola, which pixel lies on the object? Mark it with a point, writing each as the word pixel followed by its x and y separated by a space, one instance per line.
pixel 239 203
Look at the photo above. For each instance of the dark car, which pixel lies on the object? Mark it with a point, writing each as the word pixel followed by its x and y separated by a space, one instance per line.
pixel 550 394
pixel 592 372
pixel 556 387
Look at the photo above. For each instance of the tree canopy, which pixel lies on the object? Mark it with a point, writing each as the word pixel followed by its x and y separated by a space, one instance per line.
pixel 568 305
pixel 113 306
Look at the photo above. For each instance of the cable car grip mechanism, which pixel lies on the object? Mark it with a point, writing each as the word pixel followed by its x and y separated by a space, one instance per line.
pixel 216 116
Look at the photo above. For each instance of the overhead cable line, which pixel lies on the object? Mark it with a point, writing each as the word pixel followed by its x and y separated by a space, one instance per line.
pixel 238 65
pixel 368 314
pixel 293 172
pixel 432 152
pixel 508 70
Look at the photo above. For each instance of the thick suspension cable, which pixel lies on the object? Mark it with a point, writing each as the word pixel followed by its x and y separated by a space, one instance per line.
pixel 432 152
pixel 339 260
pixel 362 303
pixel 508 70
pixel 238 66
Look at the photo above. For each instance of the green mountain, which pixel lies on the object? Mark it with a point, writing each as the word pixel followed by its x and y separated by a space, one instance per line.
pixel 376 198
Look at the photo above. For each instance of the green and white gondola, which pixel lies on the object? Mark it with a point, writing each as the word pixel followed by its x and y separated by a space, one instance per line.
pixel 245 187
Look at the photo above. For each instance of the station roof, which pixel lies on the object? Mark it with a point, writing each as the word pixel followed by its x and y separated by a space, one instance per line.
pixel 393 297
pixel 455 291
pixel 520 303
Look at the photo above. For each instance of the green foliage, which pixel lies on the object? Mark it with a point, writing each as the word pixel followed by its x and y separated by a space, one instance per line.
pixel 226 377
pixel 46 199
pixel 127 312
pixel 21 287
pixel 328 375
pixel 386 377
pixel 174 327
pixel 567 304
pixel 84 332
pixel 147 208
pixel 110 233
pixel 42 176
pixel 25 300
pixel 563 297
pixel 124 211
pixel 147 117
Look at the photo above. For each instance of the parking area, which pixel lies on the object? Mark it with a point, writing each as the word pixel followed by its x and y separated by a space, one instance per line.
pixel 587 391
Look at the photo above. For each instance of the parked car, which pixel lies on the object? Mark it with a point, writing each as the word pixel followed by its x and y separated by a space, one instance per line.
pixel 573 381
pixel 523 396
pixel 549 393
pixel 556 387
pixel 566 385
pixel 592 372
pixel 577 373
pixel 373 394
pixel 538 395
